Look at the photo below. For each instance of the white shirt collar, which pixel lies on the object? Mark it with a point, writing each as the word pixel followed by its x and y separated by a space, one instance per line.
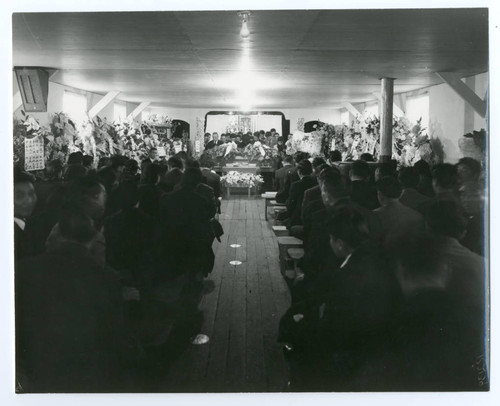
pixel 21 223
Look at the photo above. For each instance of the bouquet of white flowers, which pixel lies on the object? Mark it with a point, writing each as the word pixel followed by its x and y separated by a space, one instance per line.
pixel 241 179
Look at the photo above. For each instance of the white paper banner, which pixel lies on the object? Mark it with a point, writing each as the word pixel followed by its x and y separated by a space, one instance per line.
pixel 34 158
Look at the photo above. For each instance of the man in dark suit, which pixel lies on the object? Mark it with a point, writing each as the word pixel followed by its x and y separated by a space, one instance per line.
pixel 445 185
pixel 410 197
pixel 361 191
pixel 297 190
pixel 214 142
pixel 210 178
pixel 396 219
pixel 187 235
pixel 291 176
pixel 24 203
pixel 313 194
pixel 69 321
pixel 280 174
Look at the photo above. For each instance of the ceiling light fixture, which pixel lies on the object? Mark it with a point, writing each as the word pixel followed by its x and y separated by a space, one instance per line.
pixel 244 32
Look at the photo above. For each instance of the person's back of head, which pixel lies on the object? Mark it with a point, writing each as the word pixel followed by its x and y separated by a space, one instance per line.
pixel 469 170
pixel 304 168
pixel 182 155
pixel 89 193
pixel 131 167
pixel 87 161
pixel 445 218
pixel 367 157
pixel 422 168
pixel 104 162
pixel 384 169
pixel 335 156
pixel 444 177
pixel 360 170
pixel 316 162
pixel 192 163
pixel 151 174
pixel 175 162
pixel 76 225
pixel 57 199
pixel 118 162
pixel 299 156
pixel 333 186
pixel 191 177
pixel 288 160
pixel 408 177
pixel 206 161
pixel 388 189
pixel 54 169
pixel 75 158
pixel 347 229
pixel 317 171
pixel 74 172
pixel 172 177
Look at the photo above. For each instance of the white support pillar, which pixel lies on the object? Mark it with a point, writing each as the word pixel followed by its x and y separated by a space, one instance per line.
pixel 387 96
pixel 465 92
pixel 138 110
pixel 101 104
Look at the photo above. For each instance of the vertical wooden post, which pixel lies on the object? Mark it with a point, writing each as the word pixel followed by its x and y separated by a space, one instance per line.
pixel 387 90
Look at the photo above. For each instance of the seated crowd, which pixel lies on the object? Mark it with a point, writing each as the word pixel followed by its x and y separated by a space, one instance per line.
pixel 109 267
pixel 270 138
pixel 390 294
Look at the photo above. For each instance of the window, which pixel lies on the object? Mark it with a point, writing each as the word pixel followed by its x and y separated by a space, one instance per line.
pixel 418 107
pixel 344 117
pixel 119 112
pixel 75 106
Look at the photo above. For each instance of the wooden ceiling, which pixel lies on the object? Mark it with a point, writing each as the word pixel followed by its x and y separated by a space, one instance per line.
pixel 298 58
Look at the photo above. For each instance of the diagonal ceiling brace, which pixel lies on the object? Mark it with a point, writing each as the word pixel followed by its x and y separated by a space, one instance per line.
pixel 101 104
pixel 465 92
pixel 138 110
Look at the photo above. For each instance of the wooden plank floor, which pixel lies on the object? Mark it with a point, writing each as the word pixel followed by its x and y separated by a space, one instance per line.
pixel 242 307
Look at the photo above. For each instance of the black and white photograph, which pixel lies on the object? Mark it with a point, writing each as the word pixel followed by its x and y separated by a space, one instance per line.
pixel 250 200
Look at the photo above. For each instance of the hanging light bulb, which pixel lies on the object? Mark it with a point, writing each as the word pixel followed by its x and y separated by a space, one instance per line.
pixel 244 32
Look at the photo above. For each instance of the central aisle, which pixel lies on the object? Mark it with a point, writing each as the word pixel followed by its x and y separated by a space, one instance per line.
pixel 242 307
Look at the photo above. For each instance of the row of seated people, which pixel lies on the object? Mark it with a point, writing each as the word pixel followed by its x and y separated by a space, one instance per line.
pixel 104 270
pixel 270 138
pixel 390 297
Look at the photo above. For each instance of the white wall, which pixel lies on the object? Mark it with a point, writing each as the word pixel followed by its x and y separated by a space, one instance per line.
pixel 451 117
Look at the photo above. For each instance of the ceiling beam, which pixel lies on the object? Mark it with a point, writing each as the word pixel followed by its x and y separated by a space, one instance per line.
pixel 138 110
pixel 465 92
pixel 18 101
pixel 351 109
pixel 101 104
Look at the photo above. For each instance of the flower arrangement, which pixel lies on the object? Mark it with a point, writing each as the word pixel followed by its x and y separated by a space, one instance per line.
pixel 159 121
pixel 305 142
pixel 241 179
pixel 58 136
